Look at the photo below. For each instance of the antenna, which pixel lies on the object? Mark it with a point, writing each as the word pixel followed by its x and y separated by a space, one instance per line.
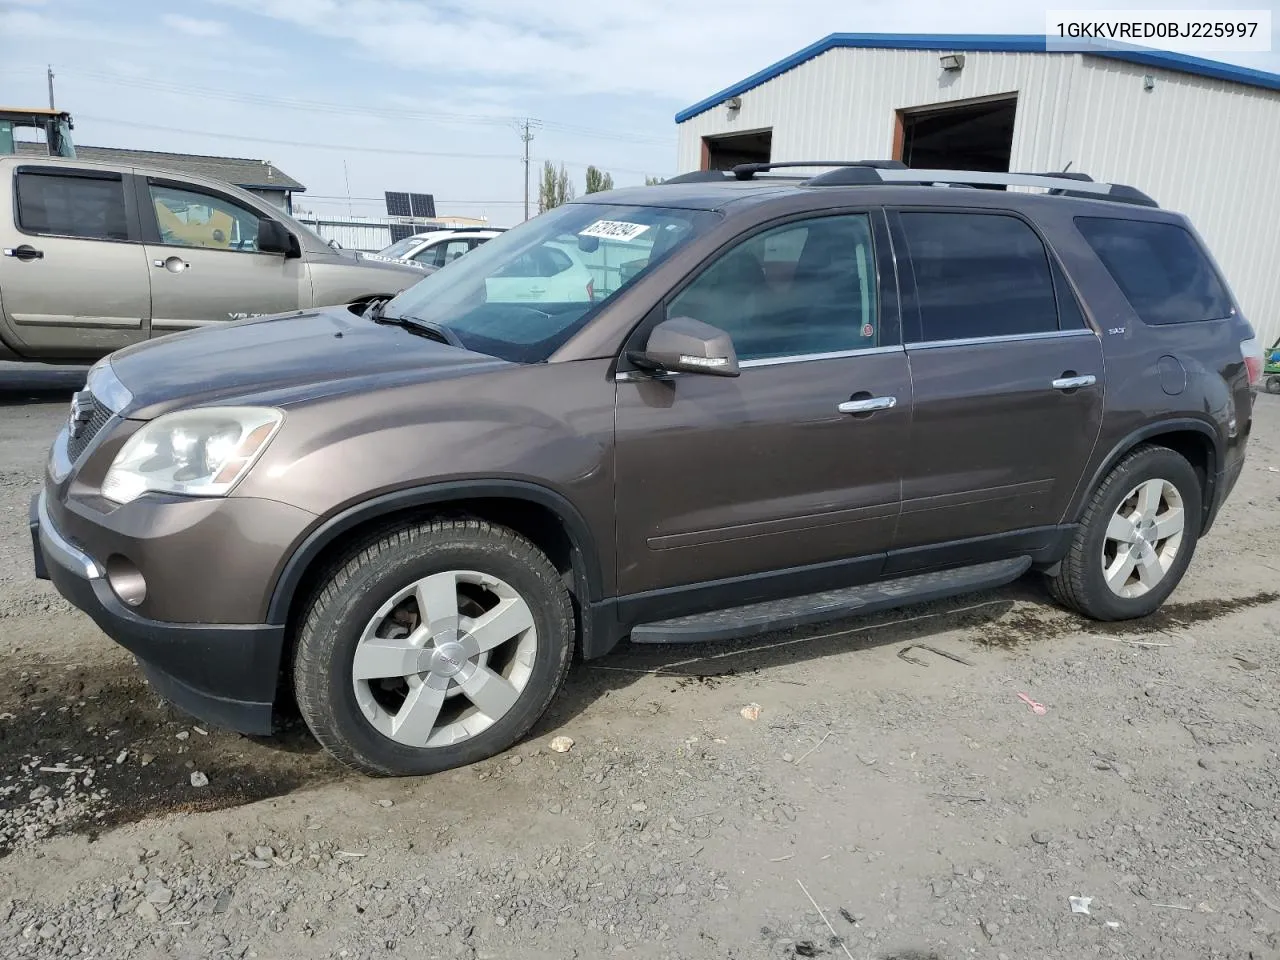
pixel 50 73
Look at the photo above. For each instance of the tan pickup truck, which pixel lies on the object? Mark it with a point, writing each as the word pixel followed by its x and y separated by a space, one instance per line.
pixel 98 256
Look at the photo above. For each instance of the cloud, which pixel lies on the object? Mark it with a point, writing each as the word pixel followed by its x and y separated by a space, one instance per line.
pixel 193 26
pixel 672 49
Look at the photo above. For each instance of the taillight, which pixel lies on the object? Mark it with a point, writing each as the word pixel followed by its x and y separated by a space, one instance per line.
pixel 1251 350
pixel 591 290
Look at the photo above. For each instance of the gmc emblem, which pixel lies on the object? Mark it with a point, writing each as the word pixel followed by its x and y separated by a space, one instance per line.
pixel 81 413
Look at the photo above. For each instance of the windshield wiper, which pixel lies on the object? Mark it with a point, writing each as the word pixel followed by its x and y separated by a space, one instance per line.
pixel 434 331
pixel 378 304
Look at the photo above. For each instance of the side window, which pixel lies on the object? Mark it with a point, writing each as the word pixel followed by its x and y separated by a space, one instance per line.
pixel 72 206
pixel 442 253
pixel 978 275
pixel 1159 267
pixel 803 288
pixel 553 261
pixel 188 218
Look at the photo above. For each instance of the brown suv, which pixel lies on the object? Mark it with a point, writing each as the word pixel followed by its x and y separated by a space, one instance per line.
pixel 777 400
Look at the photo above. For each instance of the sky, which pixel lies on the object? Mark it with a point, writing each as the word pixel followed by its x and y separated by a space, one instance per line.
pixel 355 97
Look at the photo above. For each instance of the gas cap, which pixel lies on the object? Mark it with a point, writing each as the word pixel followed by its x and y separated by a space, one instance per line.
pixel 1173 375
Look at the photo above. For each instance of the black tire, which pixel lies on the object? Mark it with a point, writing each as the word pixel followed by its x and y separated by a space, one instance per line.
pixel 352 595
pixel 1272 384
pixel 1079 583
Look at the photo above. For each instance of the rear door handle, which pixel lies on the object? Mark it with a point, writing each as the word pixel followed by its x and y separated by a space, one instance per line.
pixel 24 253
pixel 868 406
pixel 1074 383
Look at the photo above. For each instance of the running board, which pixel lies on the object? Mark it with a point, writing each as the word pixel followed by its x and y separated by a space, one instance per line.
pixel 757 618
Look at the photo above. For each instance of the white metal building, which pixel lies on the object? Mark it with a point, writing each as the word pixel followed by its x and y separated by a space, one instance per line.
pixel 1200 137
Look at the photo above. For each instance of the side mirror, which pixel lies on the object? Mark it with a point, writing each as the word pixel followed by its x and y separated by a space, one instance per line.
pixel 274 238
pixel 685 345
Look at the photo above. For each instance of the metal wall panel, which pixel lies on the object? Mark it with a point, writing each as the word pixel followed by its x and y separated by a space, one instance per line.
pixel 1201 146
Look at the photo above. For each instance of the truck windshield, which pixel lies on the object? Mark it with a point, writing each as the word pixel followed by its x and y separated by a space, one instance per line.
pixel 522 295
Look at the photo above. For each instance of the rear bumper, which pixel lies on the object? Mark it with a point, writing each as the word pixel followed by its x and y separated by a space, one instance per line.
pixel 225 674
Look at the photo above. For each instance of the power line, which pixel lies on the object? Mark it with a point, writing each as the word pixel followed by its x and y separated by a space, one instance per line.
pixel 342 148
pixel 296 103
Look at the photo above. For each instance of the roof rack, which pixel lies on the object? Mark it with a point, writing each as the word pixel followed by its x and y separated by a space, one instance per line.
pixel 1064 184
pixel 745 171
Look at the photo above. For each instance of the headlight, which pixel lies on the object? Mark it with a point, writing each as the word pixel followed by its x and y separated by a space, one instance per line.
pixel 194 452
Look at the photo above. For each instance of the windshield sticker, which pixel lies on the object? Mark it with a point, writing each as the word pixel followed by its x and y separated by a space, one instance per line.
pixel 614 230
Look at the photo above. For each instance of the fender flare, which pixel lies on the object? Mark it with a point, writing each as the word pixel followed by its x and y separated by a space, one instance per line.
pixel 1145 432
pixel 585 560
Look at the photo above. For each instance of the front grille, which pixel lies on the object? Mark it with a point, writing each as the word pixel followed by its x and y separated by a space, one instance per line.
pixel 94 415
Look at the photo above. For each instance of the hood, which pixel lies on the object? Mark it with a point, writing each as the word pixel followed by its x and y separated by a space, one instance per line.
pixel 360 258
pixel 283 359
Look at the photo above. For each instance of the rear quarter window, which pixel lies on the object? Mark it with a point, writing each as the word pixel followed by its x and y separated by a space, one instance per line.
pixel 1160 268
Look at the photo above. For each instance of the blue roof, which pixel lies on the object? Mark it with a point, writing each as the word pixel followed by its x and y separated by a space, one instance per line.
pixel 990 42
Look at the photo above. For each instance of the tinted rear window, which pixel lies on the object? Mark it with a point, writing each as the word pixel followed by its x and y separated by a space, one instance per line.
pixel 979 275
pixel 1160 267
pixel 71 206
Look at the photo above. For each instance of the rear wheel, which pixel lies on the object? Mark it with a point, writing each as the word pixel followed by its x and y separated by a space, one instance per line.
pixel 433 646
pixel 1272 384
pixel 1136 539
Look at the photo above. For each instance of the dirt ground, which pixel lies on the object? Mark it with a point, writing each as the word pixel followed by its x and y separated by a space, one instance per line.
pixel 888 803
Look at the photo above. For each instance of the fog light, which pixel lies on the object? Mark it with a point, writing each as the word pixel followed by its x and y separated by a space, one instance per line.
pixel 126 580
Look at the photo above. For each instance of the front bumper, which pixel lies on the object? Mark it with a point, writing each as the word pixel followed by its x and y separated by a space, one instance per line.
pixel 225 674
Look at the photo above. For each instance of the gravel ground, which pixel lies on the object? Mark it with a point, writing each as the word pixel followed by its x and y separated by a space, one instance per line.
pixel 877 807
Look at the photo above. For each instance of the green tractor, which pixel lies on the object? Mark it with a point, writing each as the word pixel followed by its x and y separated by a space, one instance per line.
pixel 1271 368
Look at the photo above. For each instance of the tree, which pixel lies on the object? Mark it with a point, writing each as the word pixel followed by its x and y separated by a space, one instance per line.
pixel 598 180
pixel 652 181
pixel 555 187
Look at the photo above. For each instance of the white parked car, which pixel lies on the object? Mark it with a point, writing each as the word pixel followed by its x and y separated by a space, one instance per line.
pixel 550 273
pixel 437 247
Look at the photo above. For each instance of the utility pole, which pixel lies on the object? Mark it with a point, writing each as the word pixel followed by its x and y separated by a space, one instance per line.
pixel 51 106
pixel 526 128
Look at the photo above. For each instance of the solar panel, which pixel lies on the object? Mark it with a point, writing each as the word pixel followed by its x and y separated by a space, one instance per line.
pixel 400 231
pixel 398 204
pixel 423 205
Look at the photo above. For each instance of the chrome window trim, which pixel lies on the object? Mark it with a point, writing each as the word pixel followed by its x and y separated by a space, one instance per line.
pixel 807 357
pixel 1004 338
pixel 636 376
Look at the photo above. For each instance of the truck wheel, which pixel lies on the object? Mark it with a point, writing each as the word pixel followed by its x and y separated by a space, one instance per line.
pixel 1136 539
pixel 433 646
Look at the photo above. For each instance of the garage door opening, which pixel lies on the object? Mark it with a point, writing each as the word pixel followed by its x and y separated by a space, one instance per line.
pixel 725 153
pixel 969 136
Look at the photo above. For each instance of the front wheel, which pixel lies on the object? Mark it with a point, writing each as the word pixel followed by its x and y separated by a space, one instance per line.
pixel 433 646
pixel 1136 539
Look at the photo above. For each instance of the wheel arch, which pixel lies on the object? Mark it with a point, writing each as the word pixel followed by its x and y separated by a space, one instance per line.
pixel 544 516
pixel 1194 439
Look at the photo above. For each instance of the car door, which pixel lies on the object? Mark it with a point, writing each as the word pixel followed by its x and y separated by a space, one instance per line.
pixel 784 479
pixel 73 272
pixel 1007 385
pixel 204 262
pixel 444 251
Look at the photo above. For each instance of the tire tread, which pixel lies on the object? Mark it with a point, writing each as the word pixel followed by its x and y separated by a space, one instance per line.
pixel 311 662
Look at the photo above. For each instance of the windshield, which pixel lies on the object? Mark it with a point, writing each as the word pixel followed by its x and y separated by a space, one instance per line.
pixel 522 295
pixel 400 247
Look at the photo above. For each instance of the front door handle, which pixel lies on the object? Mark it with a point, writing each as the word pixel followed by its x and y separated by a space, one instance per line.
pixel 869 405
pixel 24 253
pixel 173 264
pixel 1074 382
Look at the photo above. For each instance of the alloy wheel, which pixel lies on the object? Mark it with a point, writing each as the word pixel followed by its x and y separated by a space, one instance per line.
pixel 1143 538
pixel 444 659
